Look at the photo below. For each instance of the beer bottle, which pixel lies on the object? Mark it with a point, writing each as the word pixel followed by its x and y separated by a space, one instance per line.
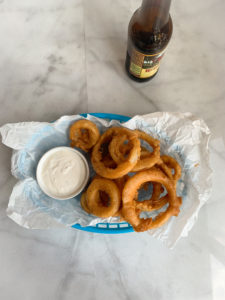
pixel 149 32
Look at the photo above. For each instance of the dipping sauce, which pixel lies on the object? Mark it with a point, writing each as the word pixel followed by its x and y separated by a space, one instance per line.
pixel 62 173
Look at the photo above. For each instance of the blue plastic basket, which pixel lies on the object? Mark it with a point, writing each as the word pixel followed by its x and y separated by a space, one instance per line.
pixel 108 228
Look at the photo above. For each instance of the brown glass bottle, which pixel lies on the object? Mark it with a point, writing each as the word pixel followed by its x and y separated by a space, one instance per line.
pixel 149 33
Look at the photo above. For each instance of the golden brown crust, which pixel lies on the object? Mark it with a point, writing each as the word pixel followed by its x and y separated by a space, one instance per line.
pixel 94 203
pixel 83 203
pixel 147 161
pixel 119 149
pixel 155 202
pixel 129 204
pixel 167 164
pixel 124 167
pixel 84 134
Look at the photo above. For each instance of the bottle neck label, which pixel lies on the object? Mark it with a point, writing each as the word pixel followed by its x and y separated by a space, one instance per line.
pixel 142 65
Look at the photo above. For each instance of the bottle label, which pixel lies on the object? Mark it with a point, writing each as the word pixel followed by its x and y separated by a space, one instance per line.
pixel 144 66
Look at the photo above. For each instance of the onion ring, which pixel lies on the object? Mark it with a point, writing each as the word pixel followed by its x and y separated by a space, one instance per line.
pixel 145 153
pixel 93 198
pixel 155 202
pixel 129 204
pixel 148 161
pixel 118 149
pixel 83 203
pixel 121 182
pixel 167 164
pixel 124 167
pixel 84 134
pixel 109 162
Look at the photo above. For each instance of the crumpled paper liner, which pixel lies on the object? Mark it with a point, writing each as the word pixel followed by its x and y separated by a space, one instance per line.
pixel 182 136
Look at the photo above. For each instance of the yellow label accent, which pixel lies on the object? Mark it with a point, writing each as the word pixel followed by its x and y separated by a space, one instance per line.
pixel 136 70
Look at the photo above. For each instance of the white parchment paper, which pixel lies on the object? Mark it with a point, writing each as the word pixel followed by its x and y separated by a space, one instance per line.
pixel 182 136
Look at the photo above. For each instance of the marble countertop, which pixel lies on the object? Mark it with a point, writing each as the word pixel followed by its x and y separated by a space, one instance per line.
pixel 66 57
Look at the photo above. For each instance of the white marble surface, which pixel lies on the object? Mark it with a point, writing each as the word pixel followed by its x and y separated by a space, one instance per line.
pixel 64 57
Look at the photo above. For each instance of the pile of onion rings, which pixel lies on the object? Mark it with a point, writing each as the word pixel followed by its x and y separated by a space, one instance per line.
pixel 123 167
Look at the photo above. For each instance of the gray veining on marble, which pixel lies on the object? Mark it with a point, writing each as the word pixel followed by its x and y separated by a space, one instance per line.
pixel 64 57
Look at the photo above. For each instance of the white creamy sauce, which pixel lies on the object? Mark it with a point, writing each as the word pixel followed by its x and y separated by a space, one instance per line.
pixel 63 172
